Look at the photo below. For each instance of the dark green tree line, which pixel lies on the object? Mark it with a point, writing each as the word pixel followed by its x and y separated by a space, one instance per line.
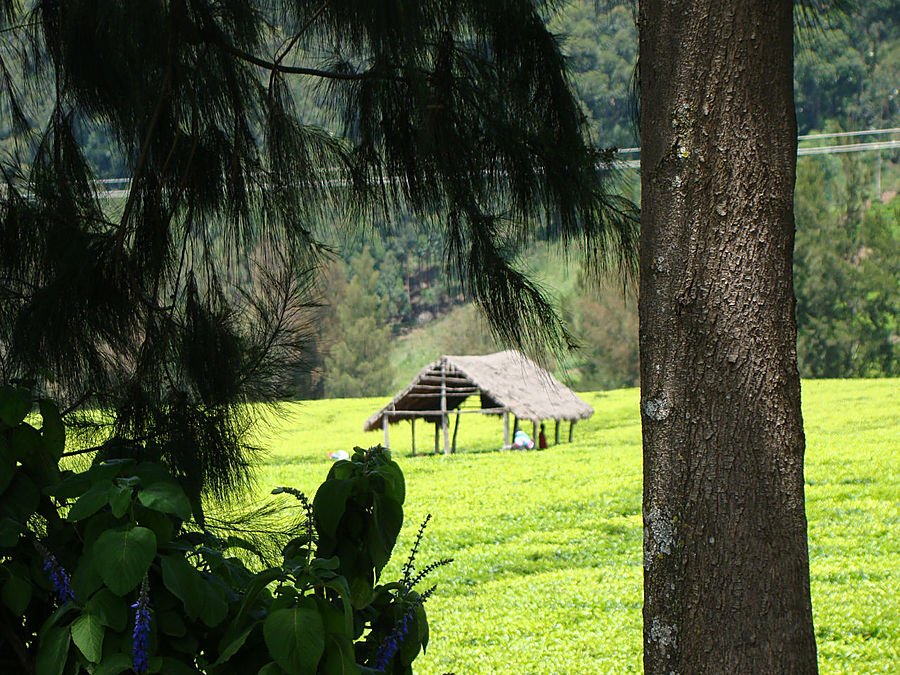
pixel 846 271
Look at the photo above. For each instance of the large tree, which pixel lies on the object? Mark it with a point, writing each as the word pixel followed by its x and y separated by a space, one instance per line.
pixel 726 587
pixel 176 303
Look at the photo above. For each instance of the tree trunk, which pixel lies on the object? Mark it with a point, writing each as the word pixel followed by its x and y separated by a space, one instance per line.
pixel 726 567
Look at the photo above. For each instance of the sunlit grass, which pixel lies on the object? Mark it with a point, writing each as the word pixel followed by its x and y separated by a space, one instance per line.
pixel 547 577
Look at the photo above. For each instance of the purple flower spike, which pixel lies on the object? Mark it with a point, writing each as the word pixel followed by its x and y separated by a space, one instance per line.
pixel 58 577
pixel 139 638
pixel 392 642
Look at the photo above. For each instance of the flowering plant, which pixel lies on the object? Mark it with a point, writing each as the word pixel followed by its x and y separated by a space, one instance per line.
pixel 107 570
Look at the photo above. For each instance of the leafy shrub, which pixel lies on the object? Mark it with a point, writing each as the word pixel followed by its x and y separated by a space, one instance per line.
pixel 105 570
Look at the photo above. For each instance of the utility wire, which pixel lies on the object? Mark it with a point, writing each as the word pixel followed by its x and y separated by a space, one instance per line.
pixel 810 137
pixel 117 188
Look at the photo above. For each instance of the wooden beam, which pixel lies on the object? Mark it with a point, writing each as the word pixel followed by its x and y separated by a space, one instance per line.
pixel 384 423
pixel 571 429
pixel 455 431
pixel 556 434
pixel 506 429
pixel 412 432
pixel 436 432
pixel 437 394
pixel 438 379
pixel 436 413
pixel 444 408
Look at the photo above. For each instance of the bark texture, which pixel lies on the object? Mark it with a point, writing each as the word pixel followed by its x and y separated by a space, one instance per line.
pixel 726 585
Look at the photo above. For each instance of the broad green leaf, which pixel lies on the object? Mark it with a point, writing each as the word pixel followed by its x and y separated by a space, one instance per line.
pixel 388 519
pixel 330 502
pixel 161 524
pixel 360 591
pixel 87 634
pixel 7 463
pixel 260 581
pixel 340 585
pixel 295 638
pixel 9 533
pixel 14 405
pixel 109 608
pixel 151 472
pixel 182 580
pixel 73 485
pixel 53 431
pixel 114 664
pixel 232 647
pixel 168 497
pixel 28 447
pixel 200 596
pixel 171 623
pixel 89 503
pixel 409 648
pixel 214 607
pixel 16 594
pixel 394 482
pixel 21 498
pixel 53 649
pixel 271 669
pixel 338 658
pixel 122 557
pixel 86 579
pixel 119 499
pixel 422 623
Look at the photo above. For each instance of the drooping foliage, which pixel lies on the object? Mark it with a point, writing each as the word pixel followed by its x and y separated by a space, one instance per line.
pixel 104 570
pixel 176 299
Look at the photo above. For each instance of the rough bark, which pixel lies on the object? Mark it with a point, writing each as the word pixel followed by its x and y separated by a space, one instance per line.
pixel 726 580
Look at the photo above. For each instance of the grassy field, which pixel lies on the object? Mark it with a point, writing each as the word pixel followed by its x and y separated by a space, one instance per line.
pixel 547 577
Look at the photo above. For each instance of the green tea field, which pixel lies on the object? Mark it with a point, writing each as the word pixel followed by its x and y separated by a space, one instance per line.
pixel 547 545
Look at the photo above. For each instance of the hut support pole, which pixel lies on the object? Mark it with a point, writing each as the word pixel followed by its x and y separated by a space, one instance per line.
pixel 455 431
pixel 444 408
pixel 556 434
pixel 534 434
pixel 506 429
pixel 571 428
pixel 384 423
pixel 437 430
pixel 412 433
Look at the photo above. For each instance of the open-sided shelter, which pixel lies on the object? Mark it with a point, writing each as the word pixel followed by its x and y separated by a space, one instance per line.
pixel 507 383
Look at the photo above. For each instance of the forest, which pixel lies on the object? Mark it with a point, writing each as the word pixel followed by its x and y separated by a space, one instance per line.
pixel 387 293
pixel 385 289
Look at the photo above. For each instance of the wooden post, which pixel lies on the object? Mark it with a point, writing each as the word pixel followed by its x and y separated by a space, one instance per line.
pixel 534 434
pixel 437 431
pixel 412 433
pixel 444 407
pixel 384 423
pixel 506 429
pixel 455 431
pixel 556 434
pixel 571 427
pixel 515 425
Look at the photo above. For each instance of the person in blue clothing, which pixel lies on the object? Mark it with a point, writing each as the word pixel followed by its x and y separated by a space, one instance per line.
pixel 522 441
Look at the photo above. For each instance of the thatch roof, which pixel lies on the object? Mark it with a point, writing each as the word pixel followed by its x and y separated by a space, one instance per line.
pixel 505 381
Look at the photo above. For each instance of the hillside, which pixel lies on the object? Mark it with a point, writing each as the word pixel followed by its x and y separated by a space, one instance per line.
pixel 547 545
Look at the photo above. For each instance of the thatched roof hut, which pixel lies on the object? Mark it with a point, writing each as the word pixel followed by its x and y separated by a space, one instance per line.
pixel 507 383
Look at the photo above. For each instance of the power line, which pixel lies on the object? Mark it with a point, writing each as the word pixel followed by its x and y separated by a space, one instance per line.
pixel 813 137
pixel 117 188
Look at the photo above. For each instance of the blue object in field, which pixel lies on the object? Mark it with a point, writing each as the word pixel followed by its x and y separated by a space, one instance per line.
pixel 522 440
